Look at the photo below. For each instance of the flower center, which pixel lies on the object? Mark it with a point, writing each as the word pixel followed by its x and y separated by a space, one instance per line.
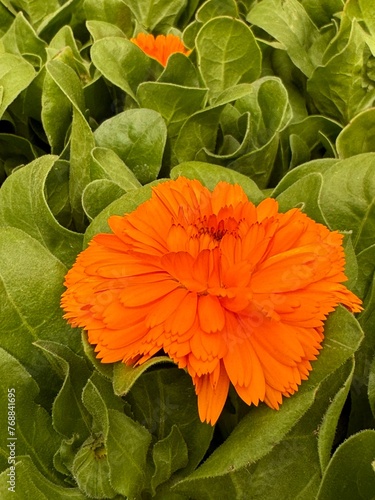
pixel 217 228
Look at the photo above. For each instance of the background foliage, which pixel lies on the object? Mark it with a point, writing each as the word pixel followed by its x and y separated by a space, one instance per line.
pixel 277 95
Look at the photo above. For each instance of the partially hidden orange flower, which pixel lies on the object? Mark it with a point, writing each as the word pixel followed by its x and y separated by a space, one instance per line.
pixel 161 47
pixel 232 292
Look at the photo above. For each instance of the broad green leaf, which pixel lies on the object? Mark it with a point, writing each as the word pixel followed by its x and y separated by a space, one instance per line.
pixel 30 286
pixel 328 426
pixel 32 431
pixel 157 15
pixel 265 428
pixel 311 131
pixel 91 470
pixel 21 39
pixel 347 201
pixel 101 29
pixel 55 103
pixel 304 194
pixel 322 11
pixel 111 12
pixel 64 47
pixel 29 479
pixel 216 8
pixel 163 398
pixel 23 204
pixel 288 22
pixel 258 164
pixel 124 377
pixel 227 54
pixel 181 71
pixel 15 75
pixel 82 141
pixel 368 11
pixel 106 164
pixel 127 203
pixel 175 103
pixel 121 62
pixel 6 19
pixel 350 473
pixel 127 446
pixel 301 171
pixel 209 175
pixel 16 151
pixel 169 455
pixel 56 191
pixel 99 194
pixel 358 136
pixel 138 137
pixel 74 372
pixel 366 270
pixel 339 88
pixel 56 18
pixel 38 10
pixel 198 132
pixel 371 387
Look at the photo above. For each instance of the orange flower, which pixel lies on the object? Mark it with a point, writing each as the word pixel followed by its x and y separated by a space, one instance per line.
pixel 161 47
pixel 232 292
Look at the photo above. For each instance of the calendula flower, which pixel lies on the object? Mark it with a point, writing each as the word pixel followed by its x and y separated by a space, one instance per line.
pixel 232 292
pixel 161 47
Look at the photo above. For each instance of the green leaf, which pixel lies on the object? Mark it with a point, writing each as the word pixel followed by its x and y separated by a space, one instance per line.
pixel 216 8
pixel 127 203
pixel 6 19
pixel 138 137
pixel 304 194
pixel 366 269
pixel 57 18
pixel 82 140
pixel 198 132
pixel 112 12
pixel 339 88
pixel 91 470
pixel 312 132
pixel 23 204
pixel 100 29
pixel 358 136
pixel 106 164
pixel 347 201
pixel 55 103
pixel 32 430
pixel 21 39
pixel 329 424
pixel 15 151
pixel 350 473
pixel 169 455
pixel 301 171
pixel 38 10
pixel 121 62
pixel 175 103
pixel 322 11
pixel 181 71
pixel 163 398
pixel 15 75
pixel 288 22
pixel 127 446
pixel 124 377
pixel 29 479
pixel 73 370
pixel 227 54
pixel 99 194
pixel 157 15
pixel 209 175
pixel 371 387
pixel 30 286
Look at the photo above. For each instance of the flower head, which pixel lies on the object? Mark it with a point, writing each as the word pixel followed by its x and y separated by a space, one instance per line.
pixel 232 292
pixel 161 47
